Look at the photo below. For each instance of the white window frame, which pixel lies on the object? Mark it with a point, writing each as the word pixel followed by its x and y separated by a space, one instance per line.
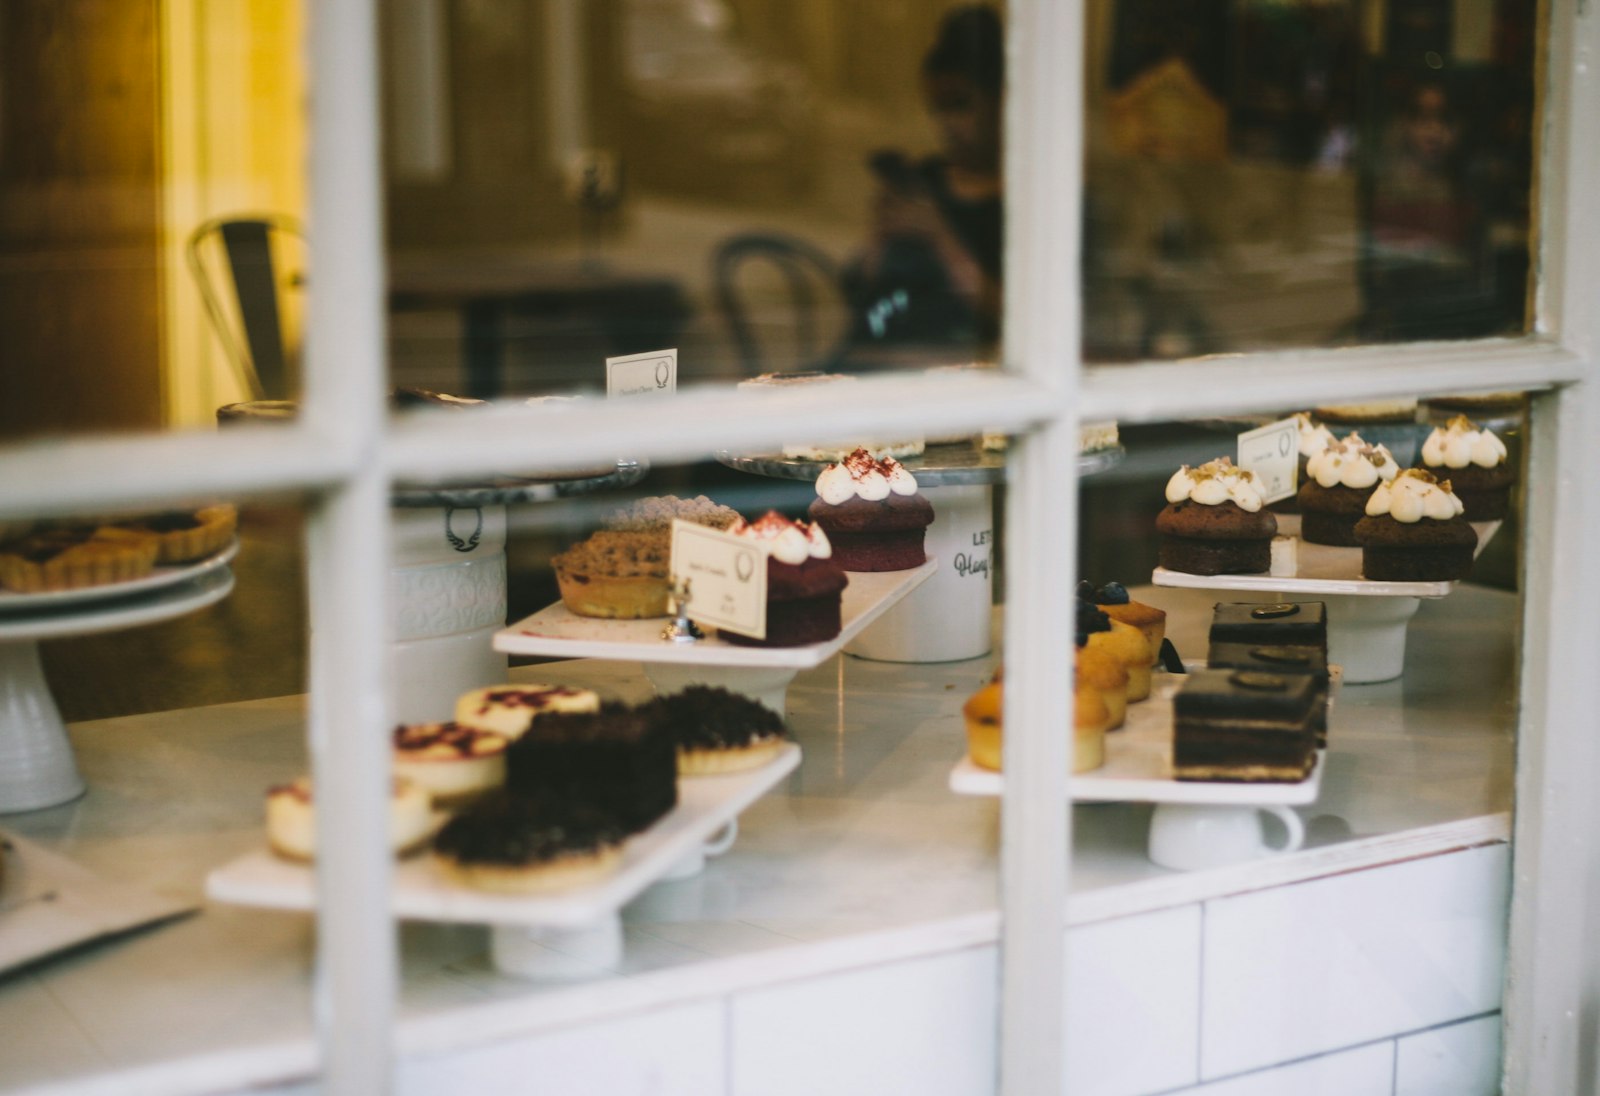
pixel 343 453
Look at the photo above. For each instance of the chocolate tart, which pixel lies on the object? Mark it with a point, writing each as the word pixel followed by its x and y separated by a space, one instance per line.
pixel 717 731
pixel 71 558
pixel 184 536
pixel 518 844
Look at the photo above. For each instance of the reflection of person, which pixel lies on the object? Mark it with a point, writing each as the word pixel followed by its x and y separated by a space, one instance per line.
pixel 931 271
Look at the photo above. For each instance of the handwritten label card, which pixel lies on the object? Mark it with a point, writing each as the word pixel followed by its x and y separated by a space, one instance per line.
pixel 652 374
pixel 1272 452
pixel 727 577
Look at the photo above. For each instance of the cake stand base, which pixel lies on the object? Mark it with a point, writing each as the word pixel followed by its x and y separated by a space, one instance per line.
pixel 557 954
pixel 37 768
pixel 1367 636
pixel 947 618
pixel 767 685
pixel 1193 837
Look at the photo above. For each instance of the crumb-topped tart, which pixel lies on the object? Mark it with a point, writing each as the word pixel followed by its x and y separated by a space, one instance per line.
pixel 73 557
pixel 183 536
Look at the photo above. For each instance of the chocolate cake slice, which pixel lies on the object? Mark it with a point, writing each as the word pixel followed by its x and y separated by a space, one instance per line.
pixel 616 760
pixel 1292 623
pixel 1244 726
pixel 1280 659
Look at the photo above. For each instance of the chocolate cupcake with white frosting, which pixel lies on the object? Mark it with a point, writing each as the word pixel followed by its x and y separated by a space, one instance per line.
pixel 1338 483
pixel 872 513
pixel 1215 523
pixel 1474 460
pixel 1414 531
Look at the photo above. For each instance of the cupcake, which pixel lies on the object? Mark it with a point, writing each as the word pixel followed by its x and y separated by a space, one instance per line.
pixel 804 582
pixel 1414 531
pixel 518 844
pixel 985 735
pixel 1340 480
pixel 1313 438
pixel 717 731
pixel 1214 523
pixel 1474 459
pixel 452 763
pixel 872 513
pixel 292 819
pixel 1103 669
pixel 1113 600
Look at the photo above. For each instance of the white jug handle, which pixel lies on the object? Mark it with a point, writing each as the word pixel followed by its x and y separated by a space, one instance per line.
pixel 1291 824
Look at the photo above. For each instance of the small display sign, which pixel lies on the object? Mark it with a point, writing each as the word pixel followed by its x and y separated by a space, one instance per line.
pixel 655 373
pixel 725 578
pixel 1272 452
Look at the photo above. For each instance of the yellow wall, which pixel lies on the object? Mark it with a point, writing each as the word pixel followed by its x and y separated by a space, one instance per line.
pixel 234 142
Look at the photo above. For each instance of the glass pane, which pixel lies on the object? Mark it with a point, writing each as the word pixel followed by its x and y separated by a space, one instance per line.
pixel 1269 174
pixel 768 187
pixel 151 182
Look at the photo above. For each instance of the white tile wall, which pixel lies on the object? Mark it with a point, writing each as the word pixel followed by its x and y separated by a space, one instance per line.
pixel 923 1027
pixel 1133 1004
pixel 1459 1060
pixel 670 1052
pixel 1299 970
pixel 1365 1071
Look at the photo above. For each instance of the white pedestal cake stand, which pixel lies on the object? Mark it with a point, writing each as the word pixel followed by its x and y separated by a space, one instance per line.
pixel 949 618
pixel 572 934
pixel 1367 620
pixel 37 768
pixel 448 582
pixel 1196 824
pixel 760 672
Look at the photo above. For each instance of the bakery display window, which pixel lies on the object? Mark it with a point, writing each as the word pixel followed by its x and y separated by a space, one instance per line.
pixel 479 505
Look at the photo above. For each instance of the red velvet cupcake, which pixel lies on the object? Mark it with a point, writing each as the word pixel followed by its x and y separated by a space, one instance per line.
pixel 872 514
pixel 804 583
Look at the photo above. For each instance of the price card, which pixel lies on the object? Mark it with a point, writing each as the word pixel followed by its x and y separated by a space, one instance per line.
pixel 726 577
pixel 1272 452
pixel 655 373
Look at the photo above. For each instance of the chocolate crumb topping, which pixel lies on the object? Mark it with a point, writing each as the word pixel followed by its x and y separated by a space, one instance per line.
pixel 705 717
pixel 505 828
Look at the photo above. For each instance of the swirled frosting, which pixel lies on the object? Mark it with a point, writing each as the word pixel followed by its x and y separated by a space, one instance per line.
pixel 1314 437
pixel 1352 463
pixel 863 476
pixel 791 542
pixel 1415 494
pixel 1215 482
pixel 1460 443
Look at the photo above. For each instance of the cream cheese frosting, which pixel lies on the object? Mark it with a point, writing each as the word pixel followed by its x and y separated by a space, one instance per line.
pixel 1461 443
pixel 1214 483
pixel 791 542
pixel 1352 463
pixel 863 476
pixel 1415 494
pixel 1314 437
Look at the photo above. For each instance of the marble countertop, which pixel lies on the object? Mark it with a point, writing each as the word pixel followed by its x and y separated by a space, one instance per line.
pixel 862 850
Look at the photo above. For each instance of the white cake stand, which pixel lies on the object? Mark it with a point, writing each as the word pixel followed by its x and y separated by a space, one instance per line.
pixel 37 768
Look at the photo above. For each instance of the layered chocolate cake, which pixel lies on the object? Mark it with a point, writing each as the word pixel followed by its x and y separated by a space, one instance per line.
pixel 616 760
pixel 1244 726
pixel 1214 522
pixel 872 513
pixel 1280 659
pixel 1291 623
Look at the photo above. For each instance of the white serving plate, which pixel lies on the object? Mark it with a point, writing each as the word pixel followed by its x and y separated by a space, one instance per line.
pixel 557 632
pixel 196 591
pixel 1138 766
pixel 12 602
pixel 706 804
pixel 1322 569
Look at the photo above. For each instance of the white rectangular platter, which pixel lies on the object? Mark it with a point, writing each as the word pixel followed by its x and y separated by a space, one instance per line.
pixel 1322 569
pixel 556 632
pixel 1138 766
pixel 423 892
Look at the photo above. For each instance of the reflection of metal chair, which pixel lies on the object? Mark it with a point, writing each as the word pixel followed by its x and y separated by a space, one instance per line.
pixel 808 274
pixel 255 345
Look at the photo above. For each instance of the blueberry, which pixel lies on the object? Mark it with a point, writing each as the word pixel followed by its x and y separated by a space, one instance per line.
pixel 1113 593
pixel 1085 589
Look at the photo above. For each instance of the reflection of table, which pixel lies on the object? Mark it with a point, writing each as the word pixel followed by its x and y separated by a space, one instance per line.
pixel 631 311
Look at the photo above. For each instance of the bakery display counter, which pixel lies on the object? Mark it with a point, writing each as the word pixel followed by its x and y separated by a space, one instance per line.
pixel 861 857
